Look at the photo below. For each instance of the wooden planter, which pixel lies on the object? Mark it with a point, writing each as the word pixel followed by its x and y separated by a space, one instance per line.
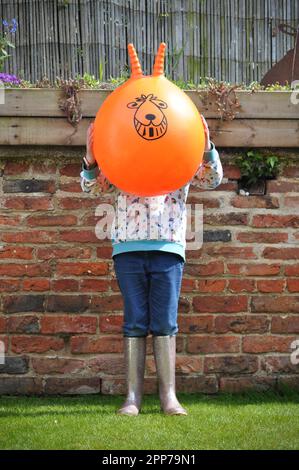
pixel 264 119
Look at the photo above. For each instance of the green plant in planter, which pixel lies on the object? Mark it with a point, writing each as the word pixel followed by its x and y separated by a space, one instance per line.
pixel 255 168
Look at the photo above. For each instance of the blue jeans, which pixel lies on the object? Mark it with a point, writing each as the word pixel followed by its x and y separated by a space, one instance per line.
pixel 150 283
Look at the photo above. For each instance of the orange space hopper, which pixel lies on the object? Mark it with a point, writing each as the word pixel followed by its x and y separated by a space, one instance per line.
pixel 148 134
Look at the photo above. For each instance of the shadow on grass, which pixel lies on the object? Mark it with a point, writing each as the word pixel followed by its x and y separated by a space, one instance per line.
pixel 107 405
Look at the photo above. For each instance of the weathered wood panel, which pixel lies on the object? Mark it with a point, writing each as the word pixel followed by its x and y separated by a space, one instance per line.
pixel 44 102
pixel 236 133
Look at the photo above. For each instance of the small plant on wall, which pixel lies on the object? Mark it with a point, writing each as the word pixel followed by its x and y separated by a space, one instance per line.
pixel 256 169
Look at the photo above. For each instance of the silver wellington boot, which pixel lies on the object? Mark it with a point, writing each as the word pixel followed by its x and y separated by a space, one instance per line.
pixel 165 355
pixel 135 354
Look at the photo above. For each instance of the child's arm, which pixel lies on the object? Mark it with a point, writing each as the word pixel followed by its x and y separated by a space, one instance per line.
pixel 92 179
pixel 210 173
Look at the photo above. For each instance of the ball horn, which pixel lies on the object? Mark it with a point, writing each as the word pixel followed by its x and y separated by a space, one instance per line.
pixel 136 71
pixel 159 61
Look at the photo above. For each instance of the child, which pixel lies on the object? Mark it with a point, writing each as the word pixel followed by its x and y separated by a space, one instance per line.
pixel 149 274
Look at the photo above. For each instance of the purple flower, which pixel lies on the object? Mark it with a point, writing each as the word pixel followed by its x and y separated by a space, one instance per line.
pixel 12 27
pixel 7 78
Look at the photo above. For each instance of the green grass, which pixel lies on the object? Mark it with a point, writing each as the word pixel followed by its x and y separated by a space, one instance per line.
pixel 245 421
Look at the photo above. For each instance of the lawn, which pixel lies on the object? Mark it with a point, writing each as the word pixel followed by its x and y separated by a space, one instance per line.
pixel 245 421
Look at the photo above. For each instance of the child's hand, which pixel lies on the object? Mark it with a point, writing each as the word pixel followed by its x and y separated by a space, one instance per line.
pixel 207 134
pixel 89 143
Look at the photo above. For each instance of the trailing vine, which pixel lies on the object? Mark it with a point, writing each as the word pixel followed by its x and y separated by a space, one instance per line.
pixel 70 104
pixel 225 98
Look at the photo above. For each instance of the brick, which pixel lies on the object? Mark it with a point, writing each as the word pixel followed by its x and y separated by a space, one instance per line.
pixel 293 285
pixel 23 303
pixel 72 385
pixel 273 304
pixel 107 303
pixel 15 252
pixel 110 364
pixel 57 365
pixel 82 269
pixel 110 323
pixel 232 172
pixel 9 285
pixel 264 344
pixel 198 199
pixel 262 237
pixel 51 220
pixel 253 269
pixel 199 384
pixel 77 203
pixel 93 345
pixel 223 303
pixel 233 218
pixel 285 324
pixel 71 169
pixel 79 235
pixel 117 386
pixel 65 252
pixel 185 365
pixel 195 323
pixel 71 187
pixel 211 285
pixel 271 221
pixel 265 202
pixel 38 285
pixel 26 203
pixel 104 252
pixel 33 236
pixel 213 344
pixel 290 382
pixel 64 285
pixel 16 168
pixel 229 186
pixel 280 253
pixel 67 303
pixel 241 324
pixel 270 285
pixel 188 285
pixel 241 285
pixel 217 236
pixel 35 344
pixel 11 221
pixel 237 252
pixel 14 269
pixel 14 365
pixel 184 305
pixel 94 285
pixel 292 270
pixel 278 365
pixel 2 324
pixel 28 186
pixel 23 324
pixel 54 324
pixel 21 386
pixel 276 186
pixel 213 268
pixel 291 201
pixel 245 384
pixel 231 365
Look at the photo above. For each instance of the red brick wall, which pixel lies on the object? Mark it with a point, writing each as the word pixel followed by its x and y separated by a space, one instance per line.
pixel 61 309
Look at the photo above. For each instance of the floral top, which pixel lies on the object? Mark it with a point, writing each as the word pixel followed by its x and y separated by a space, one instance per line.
pixel 159 219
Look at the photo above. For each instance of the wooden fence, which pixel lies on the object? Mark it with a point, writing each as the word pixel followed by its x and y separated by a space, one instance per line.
pixel 230 40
